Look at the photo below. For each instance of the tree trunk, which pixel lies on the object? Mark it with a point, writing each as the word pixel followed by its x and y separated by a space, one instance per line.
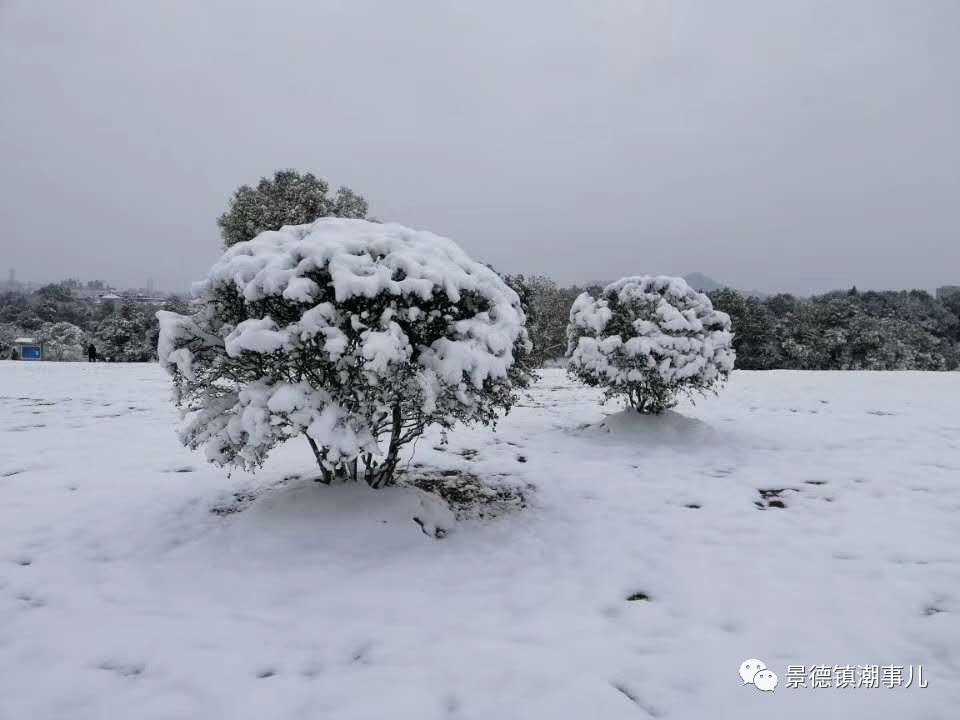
pixel 384 475
pixel 327 474
pixel 376 476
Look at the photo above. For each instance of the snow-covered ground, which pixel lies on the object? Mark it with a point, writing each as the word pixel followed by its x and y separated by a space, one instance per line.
pixel 138 582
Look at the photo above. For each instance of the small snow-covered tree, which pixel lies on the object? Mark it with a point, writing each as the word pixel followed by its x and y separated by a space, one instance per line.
pixel 8 333
pixel 288 198
pixel 548 310
pixel 352 334
pixel 63 341
pixel 648 340
pixel 126 335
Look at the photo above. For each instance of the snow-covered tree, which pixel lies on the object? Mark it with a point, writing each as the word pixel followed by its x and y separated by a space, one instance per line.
pixel 754 329
pixel 177 304
pixel 63 341
pixel 289 198
pixel 352 334
pixel 548 311
pixel 8 333
pixel 648 340
pixel 126 335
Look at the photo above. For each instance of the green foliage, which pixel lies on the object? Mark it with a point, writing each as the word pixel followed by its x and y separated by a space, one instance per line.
pixel 755 330
pixel 850 329
pixel 289 198
pixel 547 307
pixel 843 330
pixel 127 336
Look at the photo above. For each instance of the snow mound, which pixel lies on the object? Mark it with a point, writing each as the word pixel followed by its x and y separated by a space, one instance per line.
pixel 669 428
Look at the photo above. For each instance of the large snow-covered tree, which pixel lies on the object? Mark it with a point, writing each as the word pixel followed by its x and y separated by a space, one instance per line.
pixel 649 340
pixel 288 198
pixel 353 334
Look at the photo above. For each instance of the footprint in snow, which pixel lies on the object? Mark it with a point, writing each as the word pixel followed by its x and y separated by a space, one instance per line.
pixel 122 669
pixel 634 697
pixel 24 428
pixel 731 627
pixel 720 472
pixel 361 655
pixel 770 498
pixel 241 501
pixel 845 556
pixel 312 669
pixel 31 600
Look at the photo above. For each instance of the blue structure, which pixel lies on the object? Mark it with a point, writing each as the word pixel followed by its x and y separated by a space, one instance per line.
pixel 29 349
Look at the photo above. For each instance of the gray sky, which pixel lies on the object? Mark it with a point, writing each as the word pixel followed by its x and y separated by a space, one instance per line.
pixel 773 145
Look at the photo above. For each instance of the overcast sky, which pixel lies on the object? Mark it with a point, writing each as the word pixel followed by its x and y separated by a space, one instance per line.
pixel 794 145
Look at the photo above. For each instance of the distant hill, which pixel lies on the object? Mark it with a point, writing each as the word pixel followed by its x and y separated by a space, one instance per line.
pixel 702 283
pixel 705 283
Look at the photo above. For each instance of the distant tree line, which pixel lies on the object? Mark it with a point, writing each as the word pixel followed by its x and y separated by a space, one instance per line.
pixel 847 330
pixel 123 330
pixel 126 330
pixel 842 330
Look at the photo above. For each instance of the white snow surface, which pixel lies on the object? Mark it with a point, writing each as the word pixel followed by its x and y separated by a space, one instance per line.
pixel 122 595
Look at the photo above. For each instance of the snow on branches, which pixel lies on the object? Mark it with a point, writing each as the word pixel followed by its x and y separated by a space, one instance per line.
pixel 649 339
pixel 354 334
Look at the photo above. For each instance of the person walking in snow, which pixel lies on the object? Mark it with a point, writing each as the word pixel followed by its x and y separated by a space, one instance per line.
pixel 92 352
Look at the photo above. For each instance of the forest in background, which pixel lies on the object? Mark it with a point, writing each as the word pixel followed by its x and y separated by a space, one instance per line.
pixel 840 330
pixel 122 330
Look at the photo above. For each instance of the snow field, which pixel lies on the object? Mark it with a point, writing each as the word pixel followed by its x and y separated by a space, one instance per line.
pixel 138 581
